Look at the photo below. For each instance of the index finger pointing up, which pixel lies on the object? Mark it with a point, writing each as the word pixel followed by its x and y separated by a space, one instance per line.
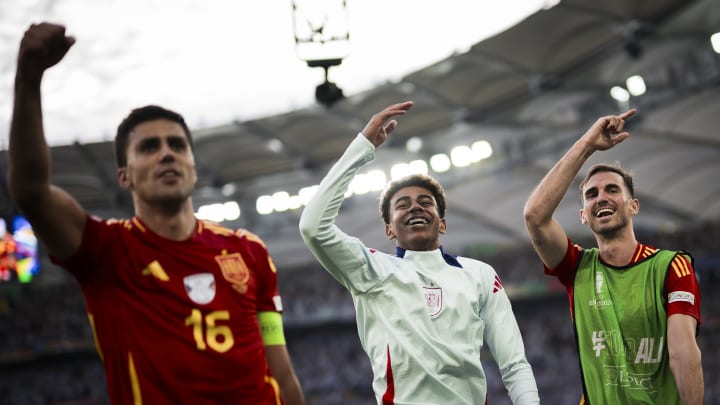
pixel 629 113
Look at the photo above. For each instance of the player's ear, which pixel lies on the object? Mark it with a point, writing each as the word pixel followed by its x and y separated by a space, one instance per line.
pixel 389 232
pixel 635 206
pixel 583 218
pixel 443 226
pixel 123 179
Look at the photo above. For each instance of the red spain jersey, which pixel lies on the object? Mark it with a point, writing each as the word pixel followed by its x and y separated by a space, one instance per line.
pixel 682 292
pixel 175 322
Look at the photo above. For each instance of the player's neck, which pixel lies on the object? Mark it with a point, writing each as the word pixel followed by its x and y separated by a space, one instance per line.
pixel 176 224
pixel 619 250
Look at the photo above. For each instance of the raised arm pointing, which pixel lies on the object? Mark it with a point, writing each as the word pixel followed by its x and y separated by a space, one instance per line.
pixel 547 235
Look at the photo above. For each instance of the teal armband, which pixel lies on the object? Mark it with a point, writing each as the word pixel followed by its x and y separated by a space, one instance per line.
pixel 271 328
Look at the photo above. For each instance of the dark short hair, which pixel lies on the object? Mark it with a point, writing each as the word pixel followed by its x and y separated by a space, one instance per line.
pixel 614 168
pixel 137 117
pixel 420 180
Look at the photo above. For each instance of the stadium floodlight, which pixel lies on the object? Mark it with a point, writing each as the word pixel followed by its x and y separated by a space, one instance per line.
pixel 322 39
pixel 461 156
pixel 264 205
pixel 440 163
pixel 377 179
pixel 636 85
pixel 418 166
pixel 619 94
pixel 414 144
pixel 715 41
pixel 281 201
pixel 481 150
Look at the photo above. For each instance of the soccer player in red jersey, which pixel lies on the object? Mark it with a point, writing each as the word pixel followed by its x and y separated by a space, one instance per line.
pixel 183 310
pixel 635 308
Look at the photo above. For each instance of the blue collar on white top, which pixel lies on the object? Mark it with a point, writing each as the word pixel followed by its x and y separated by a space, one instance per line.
pixel 449 259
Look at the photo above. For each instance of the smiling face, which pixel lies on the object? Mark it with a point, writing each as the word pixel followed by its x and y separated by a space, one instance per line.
pixel 160 165
pixel 608 206
pixel 415 221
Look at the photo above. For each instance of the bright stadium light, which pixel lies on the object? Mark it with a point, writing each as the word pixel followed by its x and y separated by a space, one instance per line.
pixel 636 85
pixel 294 202
pixel 461 156
pixel 480 150
pixel 619 94
pixel 281 201
pixel 418 167
pixel 218 212
pixel 715 41
pixel 211 212
pixel 440 163
pixel 414 144
pixel 377 180
pixel 360 184
pixel 399 170
pixel 231 211
pixel 264 205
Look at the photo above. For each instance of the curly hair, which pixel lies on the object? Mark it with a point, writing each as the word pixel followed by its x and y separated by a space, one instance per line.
pixel 420 180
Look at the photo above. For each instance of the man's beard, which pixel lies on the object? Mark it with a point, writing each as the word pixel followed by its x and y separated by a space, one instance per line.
pixel 170 202
pixel 609 231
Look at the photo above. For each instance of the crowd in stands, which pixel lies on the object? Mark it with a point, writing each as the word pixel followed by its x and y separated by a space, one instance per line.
pixel 72 379
pixel 47 355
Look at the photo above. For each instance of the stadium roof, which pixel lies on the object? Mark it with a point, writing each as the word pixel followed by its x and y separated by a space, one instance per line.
pixel 529 91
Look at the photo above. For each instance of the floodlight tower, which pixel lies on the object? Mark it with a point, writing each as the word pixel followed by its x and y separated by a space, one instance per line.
pixel 322 39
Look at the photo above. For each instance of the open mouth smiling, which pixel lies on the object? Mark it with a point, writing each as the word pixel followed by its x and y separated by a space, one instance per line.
pixel 604 212
pixel 417 221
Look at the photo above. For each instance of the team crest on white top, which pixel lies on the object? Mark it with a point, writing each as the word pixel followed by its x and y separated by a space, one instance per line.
pixel 433 300
pixel 200 287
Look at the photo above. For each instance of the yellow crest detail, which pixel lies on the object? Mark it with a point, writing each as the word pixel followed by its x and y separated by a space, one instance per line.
pixel 234 269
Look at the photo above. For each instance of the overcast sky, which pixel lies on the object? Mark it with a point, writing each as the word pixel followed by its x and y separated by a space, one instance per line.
pixel 216 61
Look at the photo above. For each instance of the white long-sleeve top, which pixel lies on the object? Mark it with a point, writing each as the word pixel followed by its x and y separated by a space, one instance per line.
pixel 422 316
